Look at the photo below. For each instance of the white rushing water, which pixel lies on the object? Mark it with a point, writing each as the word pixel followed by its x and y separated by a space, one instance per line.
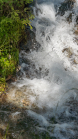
pixel 53 70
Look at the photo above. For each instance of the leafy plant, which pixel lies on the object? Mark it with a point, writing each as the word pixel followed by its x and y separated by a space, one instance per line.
pixel 14 15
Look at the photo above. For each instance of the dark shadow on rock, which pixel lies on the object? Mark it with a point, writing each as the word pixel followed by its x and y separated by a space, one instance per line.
pixel 65 6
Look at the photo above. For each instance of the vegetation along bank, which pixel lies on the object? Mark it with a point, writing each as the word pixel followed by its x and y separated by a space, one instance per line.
pixel 14 15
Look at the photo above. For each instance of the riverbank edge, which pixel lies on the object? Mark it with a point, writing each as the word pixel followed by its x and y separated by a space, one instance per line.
pixel 15 16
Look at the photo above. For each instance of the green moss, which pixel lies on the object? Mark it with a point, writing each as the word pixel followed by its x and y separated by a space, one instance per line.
pixel 2 85
pixel 13 18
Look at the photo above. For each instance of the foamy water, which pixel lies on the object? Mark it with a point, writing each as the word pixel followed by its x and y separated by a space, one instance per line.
pixel 53 72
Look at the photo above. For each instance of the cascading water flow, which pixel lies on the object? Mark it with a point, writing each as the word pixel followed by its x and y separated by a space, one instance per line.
pixel 50 72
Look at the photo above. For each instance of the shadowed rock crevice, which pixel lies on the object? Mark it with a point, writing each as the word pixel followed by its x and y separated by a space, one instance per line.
pixel 65 6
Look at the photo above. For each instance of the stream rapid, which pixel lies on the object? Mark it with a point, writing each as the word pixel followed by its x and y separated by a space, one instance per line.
pixel 48 76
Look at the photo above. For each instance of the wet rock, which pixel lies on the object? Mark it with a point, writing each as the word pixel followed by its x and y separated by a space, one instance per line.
pixel 31 43
pixel 69 18
pixel 77 19
pixel 15 116
pixel 76 32
pixel 25 102
pixel 18 68
pixel 76 60
pixel 76 40
pixel 65 6
pixel 19 97
pixel 18 94
pixel 27 45
pixel 69 51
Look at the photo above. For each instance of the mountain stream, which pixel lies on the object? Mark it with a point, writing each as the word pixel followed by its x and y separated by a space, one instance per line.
pixel 45 94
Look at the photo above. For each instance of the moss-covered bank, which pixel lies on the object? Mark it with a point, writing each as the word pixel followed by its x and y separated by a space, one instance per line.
pixel 14 15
